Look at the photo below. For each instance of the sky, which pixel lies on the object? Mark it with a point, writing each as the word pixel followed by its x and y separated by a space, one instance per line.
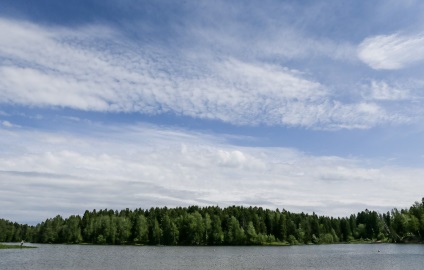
pixel 308 106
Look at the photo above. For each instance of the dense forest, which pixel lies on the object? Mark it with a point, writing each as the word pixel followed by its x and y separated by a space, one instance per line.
pixel 212 225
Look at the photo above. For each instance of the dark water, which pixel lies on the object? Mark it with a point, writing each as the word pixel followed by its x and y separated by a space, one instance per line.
pixel 360 256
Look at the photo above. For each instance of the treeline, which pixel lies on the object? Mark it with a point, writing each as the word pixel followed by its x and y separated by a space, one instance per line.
pixel 212 225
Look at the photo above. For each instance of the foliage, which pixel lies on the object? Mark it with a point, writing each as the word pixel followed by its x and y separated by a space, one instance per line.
pixel 235 225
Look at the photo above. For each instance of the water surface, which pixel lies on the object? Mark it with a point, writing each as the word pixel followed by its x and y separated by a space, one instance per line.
pixel 341 257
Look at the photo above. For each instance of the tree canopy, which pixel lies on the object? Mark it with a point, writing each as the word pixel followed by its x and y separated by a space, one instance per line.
pixel 212 225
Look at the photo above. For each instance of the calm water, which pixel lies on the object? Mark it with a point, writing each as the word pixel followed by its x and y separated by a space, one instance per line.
pixel 296 257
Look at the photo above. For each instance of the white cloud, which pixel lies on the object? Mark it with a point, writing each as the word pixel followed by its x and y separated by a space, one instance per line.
pixel 381 90
pixel 268 33
pixel 63 68
pixel 392 52
pixel 146 166
pixel 7 124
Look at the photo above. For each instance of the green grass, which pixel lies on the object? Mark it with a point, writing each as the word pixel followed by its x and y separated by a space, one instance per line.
pixel 3 246
pixel 276 244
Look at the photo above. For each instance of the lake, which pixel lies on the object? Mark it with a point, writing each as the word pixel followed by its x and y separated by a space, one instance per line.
pixel 340 256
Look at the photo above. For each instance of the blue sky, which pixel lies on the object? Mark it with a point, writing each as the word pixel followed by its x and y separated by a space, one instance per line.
pixel 313 106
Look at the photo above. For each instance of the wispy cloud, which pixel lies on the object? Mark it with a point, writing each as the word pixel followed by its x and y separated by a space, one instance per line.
pixel 403 96
pixel 6 124
pixel 381 90
pixel 88 69
pixel 144 166
pixel 391 52
pixel 283 74
pixel 275 40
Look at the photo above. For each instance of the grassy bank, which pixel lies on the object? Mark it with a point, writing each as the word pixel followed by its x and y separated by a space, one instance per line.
pixel 3 246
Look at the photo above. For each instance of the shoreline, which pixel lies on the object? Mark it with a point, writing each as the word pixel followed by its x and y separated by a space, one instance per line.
pixel 14 246
pixel 274 244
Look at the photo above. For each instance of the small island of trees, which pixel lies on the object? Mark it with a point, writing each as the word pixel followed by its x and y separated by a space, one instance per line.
pixel 212 225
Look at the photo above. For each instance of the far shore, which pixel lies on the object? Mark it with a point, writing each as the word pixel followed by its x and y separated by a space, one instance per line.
pixel 11 246
pixel 8 246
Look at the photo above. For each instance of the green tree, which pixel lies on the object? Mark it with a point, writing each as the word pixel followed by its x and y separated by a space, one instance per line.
pixel 251 235
pixel 50 230
pixel 71 230
pixel 198 228
pixel 87 224
pixel 315 226
pixel 141 230
pixel 362 231
pixel 170 231
pixel 123 229
pixel 156 232
pixel 283 227
pixel 217 235
pixel 208 228
pixel 399 223
pixel 234 234
pixel 345 230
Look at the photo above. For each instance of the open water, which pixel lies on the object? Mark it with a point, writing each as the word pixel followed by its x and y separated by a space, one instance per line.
pixel 340 257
